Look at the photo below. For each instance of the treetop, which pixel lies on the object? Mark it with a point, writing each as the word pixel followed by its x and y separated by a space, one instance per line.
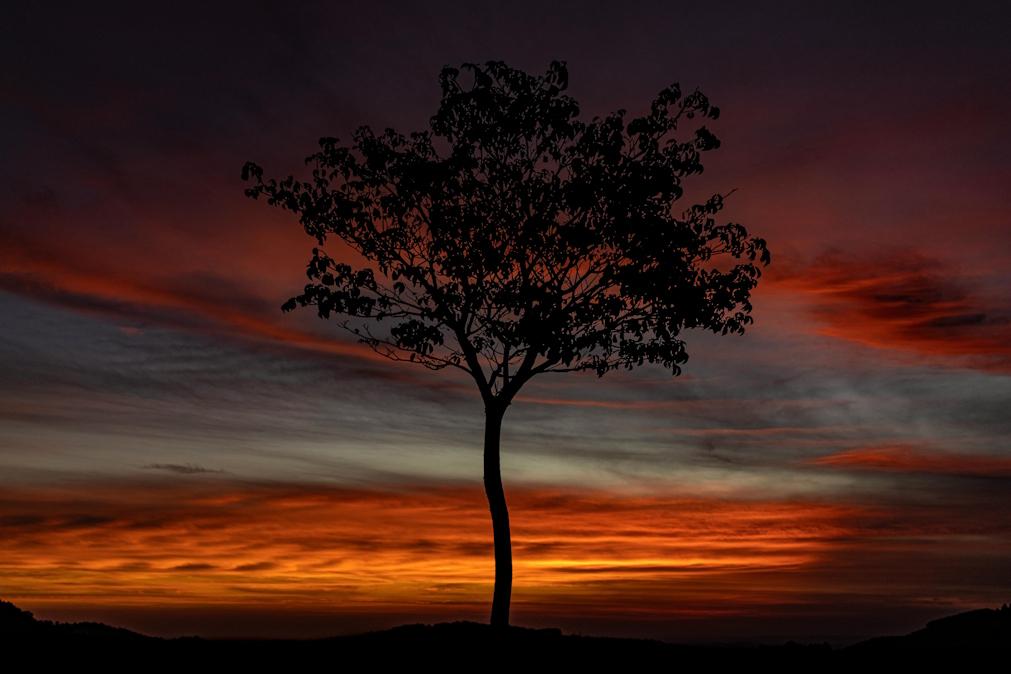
pixel 512 238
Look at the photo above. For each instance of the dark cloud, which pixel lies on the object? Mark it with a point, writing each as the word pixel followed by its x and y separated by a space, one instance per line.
pixel 257 566
pixel 193 567
pixel 181 469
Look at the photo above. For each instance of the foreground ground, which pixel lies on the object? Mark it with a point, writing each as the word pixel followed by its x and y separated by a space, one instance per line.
pixel 960 636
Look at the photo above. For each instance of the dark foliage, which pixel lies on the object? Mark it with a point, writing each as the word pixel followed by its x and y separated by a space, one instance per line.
pixel 512 239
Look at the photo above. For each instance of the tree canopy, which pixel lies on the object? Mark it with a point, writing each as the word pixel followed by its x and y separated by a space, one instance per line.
pixel 512 238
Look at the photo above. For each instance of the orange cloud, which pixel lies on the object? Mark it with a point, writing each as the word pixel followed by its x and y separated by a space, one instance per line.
pixel 221 543
pixel 213 543
pixel 912 459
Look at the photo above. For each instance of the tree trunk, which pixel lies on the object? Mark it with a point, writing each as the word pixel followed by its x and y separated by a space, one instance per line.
pixel 499 516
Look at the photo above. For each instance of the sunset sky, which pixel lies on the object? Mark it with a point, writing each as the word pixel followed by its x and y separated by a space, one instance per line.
pixel 178 456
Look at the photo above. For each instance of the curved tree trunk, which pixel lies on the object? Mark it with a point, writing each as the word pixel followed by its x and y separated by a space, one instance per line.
pixel 499 517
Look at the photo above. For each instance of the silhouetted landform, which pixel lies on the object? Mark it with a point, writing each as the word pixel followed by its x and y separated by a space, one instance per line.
pixel 18 624
pixel 984 629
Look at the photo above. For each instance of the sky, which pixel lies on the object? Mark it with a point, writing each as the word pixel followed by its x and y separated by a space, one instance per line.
pixel 178 456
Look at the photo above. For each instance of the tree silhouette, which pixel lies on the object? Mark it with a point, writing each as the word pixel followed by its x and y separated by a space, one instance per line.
pixel 512 239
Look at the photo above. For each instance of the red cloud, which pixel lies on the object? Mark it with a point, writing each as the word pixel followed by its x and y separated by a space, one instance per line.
pixel 909 458
pixel 904 302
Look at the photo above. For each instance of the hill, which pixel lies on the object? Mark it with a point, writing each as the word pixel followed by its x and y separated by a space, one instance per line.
pixel 463 642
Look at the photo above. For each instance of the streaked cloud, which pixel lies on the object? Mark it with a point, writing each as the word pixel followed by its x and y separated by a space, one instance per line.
pixel 577 551
pixel 181 469
pixel 915 459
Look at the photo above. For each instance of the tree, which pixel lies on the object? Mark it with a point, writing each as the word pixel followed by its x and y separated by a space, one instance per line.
pixel 511 239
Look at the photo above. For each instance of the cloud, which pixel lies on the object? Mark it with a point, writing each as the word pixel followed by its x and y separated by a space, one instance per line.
pixel 257 566
pixel 192 567
pixel 167 306
pixel 312 547
pixel 904 301
pixel 916 459
pixel 182 469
